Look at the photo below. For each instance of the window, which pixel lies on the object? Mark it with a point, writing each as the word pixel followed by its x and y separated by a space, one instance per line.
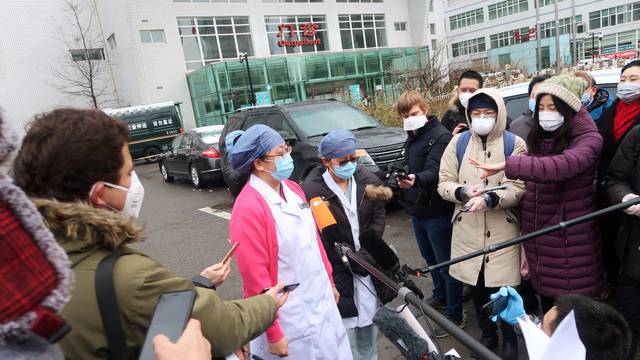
pixel 434 45
pixel 359 1
pixel 294 1
pixel 542 3
pixel 87 54
pixel 175 144
pixel 296 28
pixel 111 40
pixel 358 31
pixel 468 47
pixel 432 29
pixel 614 16
pixel 152 36
pixel 506 8
pixel 213 1
pixel 400 26
pixel 548 29
pixel 210 39
pixel 508 38
pixel 466 19
pixel 430 5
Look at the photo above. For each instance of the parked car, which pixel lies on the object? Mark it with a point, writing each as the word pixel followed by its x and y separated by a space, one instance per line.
pixel 303 124
pixel 152 127
pixel 194 155
pixel 516 97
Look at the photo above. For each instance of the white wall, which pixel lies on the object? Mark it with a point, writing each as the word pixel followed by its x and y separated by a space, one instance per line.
pixel 29 49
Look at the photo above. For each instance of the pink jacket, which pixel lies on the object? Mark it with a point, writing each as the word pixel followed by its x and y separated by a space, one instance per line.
pixel 253 225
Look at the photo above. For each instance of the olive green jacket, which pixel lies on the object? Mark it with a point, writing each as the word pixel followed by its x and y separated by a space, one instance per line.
pixel 88 235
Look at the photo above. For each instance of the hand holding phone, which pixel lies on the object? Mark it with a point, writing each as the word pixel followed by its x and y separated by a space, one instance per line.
pixel 286 288
pixel 506 304
pixel 217 273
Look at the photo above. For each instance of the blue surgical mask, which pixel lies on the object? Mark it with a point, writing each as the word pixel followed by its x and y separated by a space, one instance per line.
pixel 345 172
pixel 284 168
pixel 532 105
pixel 586 98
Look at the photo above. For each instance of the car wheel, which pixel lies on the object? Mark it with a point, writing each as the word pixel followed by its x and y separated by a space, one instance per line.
pixel 151 154
pixel 195 177
pixel 165 174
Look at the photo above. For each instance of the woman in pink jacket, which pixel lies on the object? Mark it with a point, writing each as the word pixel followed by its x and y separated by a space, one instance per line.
pixel 272 221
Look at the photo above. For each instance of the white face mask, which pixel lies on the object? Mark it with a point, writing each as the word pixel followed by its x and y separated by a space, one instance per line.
pixel 550 120
pixel 628 92
pixel 464 98
pixel 135 195
pixel 482 124
pixel 414 122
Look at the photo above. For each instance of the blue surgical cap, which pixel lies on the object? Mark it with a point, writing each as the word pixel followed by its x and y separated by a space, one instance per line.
pixel 257 141
pixel 337 143
pixel 231 138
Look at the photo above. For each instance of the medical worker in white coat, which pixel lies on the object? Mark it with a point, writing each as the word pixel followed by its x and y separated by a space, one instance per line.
pixel 279 242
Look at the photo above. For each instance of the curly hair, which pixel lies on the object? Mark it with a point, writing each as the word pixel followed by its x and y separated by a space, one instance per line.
pixel 66 151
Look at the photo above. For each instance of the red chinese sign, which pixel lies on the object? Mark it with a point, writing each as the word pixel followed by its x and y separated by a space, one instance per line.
pixel 620 55
pixel 529 35
pixel 308 30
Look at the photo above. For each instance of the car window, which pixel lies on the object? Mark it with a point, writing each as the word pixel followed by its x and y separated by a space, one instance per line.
pixel 186 142
pixel 210 137
pixel 278 122
pixel 320 119
pixel 175 144
pixel 253 119
pixel 516 105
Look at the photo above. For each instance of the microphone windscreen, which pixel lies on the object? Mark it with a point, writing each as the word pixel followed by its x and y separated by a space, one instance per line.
pixel 396 329
pixel 384 256
pixel 321 213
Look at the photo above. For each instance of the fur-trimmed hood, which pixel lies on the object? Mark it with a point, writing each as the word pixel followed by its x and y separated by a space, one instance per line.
pixel 16 201
pixel 454 103
pixel 378 192
pixel 79 221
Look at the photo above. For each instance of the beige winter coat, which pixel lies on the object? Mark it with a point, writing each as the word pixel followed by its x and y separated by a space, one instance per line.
pixel 473 231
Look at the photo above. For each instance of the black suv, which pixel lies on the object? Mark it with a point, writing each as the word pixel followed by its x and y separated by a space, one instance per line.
pixel 303 124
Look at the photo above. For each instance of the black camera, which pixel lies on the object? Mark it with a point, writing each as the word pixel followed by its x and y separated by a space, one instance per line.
pixel 395 173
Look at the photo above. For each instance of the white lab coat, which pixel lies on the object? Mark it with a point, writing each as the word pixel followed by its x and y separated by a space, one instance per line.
pixel 365 301
pixel 309 319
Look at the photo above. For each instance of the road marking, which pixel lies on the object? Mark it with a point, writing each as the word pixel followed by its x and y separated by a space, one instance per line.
pixel 215 212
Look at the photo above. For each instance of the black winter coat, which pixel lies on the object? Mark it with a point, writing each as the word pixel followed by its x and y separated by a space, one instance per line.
pixel 622 178
pixel 371 215
pixel 423 152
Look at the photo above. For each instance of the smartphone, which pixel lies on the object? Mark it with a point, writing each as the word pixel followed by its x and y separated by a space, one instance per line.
pixel 170 317
pixel 495 188
pixel 230 253
pixel 495 306
pixel 287 288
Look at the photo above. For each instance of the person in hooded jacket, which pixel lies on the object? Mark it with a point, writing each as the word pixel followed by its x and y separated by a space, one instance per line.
pixel 35 273
pixel 559 170
pixel 595 99
pixel 616 122
pixel 76 166
pixel 356 198
pixel 522 125
pixel 483 219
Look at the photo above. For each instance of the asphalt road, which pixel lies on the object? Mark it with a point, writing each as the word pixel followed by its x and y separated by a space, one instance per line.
pixel 187 239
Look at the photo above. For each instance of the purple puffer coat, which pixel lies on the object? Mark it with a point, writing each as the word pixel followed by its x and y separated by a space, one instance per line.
pixel 559 188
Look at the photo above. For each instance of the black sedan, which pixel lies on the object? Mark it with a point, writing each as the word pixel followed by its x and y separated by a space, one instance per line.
pixel 193 155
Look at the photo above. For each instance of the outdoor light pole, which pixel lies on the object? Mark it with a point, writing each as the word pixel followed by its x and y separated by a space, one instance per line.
pixel 243 57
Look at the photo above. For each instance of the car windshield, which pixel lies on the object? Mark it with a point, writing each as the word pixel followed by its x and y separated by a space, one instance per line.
pixel 320 119
pixel 210 137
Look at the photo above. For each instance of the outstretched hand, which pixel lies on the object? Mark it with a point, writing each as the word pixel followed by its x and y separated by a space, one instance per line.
pixel 489 169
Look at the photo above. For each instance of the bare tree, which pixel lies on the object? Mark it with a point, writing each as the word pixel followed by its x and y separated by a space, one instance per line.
pixel 83 71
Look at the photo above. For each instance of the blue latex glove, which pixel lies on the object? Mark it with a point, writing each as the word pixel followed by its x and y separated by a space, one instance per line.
pixel 515 306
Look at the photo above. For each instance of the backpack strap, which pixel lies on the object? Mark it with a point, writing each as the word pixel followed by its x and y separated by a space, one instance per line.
pixel 508 142
pixel 108 305
pixel 461 146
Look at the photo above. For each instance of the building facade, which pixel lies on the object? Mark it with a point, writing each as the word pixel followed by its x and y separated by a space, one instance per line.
pixel 489 34
pixel 295 48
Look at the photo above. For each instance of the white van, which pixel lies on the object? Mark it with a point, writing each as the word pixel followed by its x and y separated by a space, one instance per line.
pixel 516 96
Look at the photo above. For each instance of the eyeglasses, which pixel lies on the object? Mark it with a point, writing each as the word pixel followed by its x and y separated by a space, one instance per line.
pixel 286 152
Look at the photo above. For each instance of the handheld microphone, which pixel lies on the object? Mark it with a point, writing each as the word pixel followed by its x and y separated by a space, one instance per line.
pixel 396 329
pixel 342 252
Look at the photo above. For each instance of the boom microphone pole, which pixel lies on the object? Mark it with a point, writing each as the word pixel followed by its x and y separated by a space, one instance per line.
pixel 465 339
pixel 520 239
